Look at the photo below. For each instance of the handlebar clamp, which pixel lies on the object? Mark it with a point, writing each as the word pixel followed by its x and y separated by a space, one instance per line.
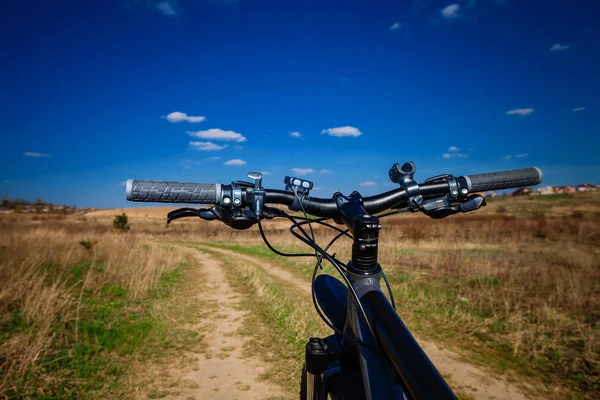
pixel 300 187
pixel 403 176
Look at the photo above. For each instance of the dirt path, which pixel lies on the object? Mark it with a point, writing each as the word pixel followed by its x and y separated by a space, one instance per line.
pixel 301 284
pixel 222 372
pixel 471 379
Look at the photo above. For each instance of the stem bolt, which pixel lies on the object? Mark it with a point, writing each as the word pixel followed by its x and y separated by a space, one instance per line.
pixel 464 191
pixel 237 202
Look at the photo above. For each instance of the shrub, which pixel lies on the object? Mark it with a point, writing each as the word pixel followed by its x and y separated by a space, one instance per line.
pixel 87 244
pixel 121 222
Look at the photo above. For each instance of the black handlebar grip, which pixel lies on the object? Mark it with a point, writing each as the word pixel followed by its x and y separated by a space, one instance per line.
pixel 173 192
pixel 504 179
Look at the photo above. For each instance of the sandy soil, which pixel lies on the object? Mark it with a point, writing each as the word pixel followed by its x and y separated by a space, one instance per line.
pixel 222 372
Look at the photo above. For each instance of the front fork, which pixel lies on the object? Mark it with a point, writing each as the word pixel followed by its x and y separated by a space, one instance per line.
pixel 311 390
pixel 317 358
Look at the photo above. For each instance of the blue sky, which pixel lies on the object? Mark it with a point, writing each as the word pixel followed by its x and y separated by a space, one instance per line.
pixel 96 92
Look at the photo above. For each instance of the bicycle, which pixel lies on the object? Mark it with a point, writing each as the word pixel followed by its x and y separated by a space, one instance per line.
pixel 371 354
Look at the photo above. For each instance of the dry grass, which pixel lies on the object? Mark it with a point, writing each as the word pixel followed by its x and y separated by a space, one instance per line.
pixel 515 286
pixel 63 304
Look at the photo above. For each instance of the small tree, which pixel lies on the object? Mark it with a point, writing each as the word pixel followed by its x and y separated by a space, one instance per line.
pixel 121 223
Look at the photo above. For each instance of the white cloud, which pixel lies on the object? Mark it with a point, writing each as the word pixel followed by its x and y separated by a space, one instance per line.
pixel 506 157
pixel 579 109
pixel 36 155
pixel 342 131
pixel 166 9
pixel 454 155
pixel 450 11
pixel 218 134
pixel 124 183
pixel 453 148
pixel 178 116
pixel 395 26
pixel 186 163
pixel 560 47
pixel 522 155
pixel 266 173
pixel 520 111
pixel 303 171
pixel 367 184
pixel 207 146
pixel 235 162
pixel 296 134
pixel 216 158
pixel 325 171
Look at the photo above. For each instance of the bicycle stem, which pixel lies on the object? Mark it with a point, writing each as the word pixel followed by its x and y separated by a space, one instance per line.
pixel 365 230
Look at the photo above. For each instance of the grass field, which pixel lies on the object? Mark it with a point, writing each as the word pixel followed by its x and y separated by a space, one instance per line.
pixel 514 288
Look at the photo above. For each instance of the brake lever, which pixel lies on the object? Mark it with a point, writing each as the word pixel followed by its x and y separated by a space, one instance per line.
pixel 272 212
pixel 239 222
pixel 442 207
pixel 204 213
pixel 473 203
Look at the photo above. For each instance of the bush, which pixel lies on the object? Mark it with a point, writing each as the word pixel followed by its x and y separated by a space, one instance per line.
pixel 88 244
pixel 121 222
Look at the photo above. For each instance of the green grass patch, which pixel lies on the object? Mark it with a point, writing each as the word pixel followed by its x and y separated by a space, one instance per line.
pixel 92 353
pixel 12 323
pixel 485 281
pixel 167 282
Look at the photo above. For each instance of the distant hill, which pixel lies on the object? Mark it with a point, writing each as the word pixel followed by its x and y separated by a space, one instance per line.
pixel 37 206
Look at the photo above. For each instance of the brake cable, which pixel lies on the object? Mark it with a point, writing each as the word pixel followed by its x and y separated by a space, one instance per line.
pixel 293 219
pixel 334 262
pixel 383 275
pixel 338 265
pixel 342 232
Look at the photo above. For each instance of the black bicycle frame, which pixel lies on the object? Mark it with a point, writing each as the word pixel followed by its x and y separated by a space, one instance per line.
pixel 385 363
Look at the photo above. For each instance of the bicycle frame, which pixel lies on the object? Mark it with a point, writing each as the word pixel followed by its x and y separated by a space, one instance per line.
pixel 385 363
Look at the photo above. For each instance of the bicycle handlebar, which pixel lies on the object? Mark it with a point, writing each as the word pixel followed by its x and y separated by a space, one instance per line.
pixel 206 193
pixel 173 192
pixel 504 179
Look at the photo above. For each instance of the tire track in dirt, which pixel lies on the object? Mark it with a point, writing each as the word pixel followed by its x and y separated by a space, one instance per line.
pixel 472 380
pixel 223 372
